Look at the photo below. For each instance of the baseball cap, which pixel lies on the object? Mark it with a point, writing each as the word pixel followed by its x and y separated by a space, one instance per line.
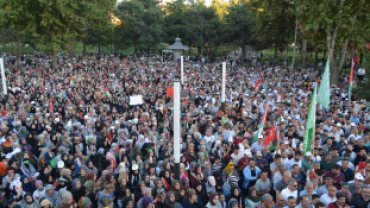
pixel 248 153
pixel 45 202
pixel 259 153
pixel 308 154
pixel 60 164
pixel 135 167
pixel 359 177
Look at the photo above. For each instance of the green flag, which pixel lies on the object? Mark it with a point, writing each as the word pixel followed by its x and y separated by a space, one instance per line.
pixel 262 124
pixel 310 126
pixel 324 91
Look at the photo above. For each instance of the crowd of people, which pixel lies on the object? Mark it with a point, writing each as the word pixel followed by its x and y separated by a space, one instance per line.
pixel 70 138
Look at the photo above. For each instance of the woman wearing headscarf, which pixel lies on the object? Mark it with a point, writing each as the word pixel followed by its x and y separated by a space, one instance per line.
pixel 90 183
pixel 192 200
pixel 126 203
pixel 52 195
pixel 24 145
pixel 197 176
pixel 252 200
pixel 103 178
pixel 170 201
pixel 235 194
pixel 211 185
pixel 147 202
pixel 229 170
pixel 176 190
pixel 83 174
pixel 140 187
pixel 214 201
pixel 201 192
pixel 84 202
pixel 90 167
pixel 27 185
pixel 166 175
pixel 78 189
pixel 219 182
pixel 23 132
pixel 67 201
pixel 40 191
pixel 28 201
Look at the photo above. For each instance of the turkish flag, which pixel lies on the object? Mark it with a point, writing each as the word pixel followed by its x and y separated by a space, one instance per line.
pixel 170 92
pixel 271 136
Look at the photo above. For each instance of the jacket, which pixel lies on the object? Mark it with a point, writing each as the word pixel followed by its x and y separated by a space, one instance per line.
pixel 248 175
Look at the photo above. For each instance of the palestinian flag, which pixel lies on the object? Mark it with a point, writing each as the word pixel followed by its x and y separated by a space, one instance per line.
pixel 207 158
pixel 262 124
pixel 105 92
pixel 56 183
pixel 311 173
pixel 72 80
pixel 51 104
pixel 118 149
pixel 350 82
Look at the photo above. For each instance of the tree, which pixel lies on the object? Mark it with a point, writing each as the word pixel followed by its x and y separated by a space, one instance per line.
pixel 142 25
pixel 342 21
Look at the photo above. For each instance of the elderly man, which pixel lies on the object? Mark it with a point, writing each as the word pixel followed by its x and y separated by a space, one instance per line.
pixel 283 183
pixel 305 203
pixel 291 190
pixel 309 190
pixel 361 200
pixel 266 201
pixel 324 188
pixel 330 196
pixel 279 201
pixel 278 176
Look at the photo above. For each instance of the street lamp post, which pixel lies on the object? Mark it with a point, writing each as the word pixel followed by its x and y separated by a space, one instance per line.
pixel 295 42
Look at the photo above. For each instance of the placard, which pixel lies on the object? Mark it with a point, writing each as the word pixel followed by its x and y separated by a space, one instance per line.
pixel 136 100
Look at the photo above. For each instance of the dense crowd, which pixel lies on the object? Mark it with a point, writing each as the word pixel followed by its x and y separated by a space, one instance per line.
pixel 70 138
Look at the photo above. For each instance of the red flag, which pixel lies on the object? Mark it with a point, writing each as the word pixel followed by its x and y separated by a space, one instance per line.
pixel 279 111
pixel 240 203
pixel 142 117
pixel 256 86
pixel 263 80
pixel 169 92
pixel 56 183
pixel 271 136
pixel 312 173
pixel 356 59
pixel 166 184
pixel 227 154
pixel 50 104
pixel 80 102
pixel 186 101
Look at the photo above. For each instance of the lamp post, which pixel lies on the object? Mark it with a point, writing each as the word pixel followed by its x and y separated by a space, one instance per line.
pixel 295 42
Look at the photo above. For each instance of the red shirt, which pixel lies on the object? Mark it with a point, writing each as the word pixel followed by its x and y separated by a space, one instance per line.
pixel 334 205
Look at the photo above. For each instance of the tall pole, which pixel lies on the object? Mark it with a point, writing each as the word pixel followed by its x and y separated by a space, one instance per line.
pixel 3 78
pixel 223 82
pixel 295 42
pixel 176 127
pixel 182 70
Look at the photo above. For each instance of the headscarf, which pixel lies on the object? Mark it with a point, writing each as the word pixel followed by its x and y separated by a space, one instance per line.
pixel 103 180
pixel 126 200
pixel 219 181
pixel 254 199
pixel 202 193
pixel 27 187
pixel 75 181
pixel 65 197
pixel 175 191
pixel 146 200
pixel 54 198
pixel 168 179
pixel 232 193
pixel 168 201
pixel 195 174
pixel 84 202
pixel 230 168
pixel 211 185
pixel 23 132
pixel 90 183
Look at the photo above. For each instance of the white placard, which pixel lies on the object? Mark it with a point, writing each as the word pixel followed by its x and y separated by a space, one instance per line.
pixel 136 100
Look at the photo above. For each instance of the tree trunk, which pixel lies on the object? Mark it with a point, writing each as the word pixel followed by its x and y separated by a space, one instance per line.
pixel 361 58
pixel 335 66
pixel 286 54
pixel 316 59
pixel 304 54
pixel 201 37
pixel 54 62
pixel 5 45
pixel 275 51
pixel 70 50
pixel 18 52
pixel 84 47
pixel 324 57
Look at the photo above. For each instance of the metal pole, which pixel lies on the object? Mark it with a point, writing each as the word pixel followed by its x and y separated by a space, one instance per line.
pixel 182 70
pixel 176 127
pixel 223 82
pixel 295 42
pixel 3 78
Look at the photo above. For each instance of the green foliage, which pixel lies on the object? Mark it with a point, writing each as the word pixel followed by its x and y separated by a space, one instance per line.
pixel 362 88
pixel 142 25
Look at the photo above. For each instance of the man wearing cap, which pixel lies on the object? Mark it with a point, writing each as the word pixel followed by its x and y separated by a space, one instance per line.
pixel 244 161
pixel 356 187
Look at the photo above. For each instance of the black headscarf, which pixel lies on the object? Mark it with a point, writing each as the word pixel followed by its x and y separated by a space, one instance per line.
pixel 202 193
pixel 219 182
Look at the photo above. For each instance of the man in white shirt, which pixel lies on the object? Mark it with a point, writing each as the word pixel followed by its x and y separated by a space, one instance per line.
pixel 329 197
pixel 296 160
pixel 361 73
pixel 291 190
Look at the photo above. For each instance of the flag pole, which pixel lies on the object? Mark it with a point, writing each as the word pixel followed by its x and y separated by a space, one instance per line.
pixel 223 82
pixel 182 70
pixel 177 128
